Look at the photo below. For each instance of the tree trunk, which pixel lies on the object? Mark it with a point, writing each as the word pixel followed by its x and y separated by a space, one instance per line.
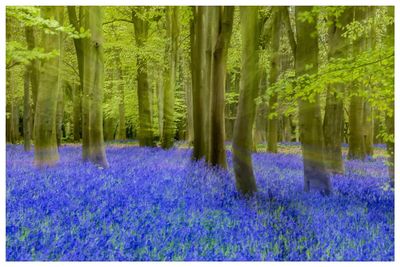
pixel 33 74
pixel 357 139
pixel 46 152
pixel 217 137
pixel 77 22
pixel 121 94
pixel 60 98
pixel 77 112
pixel 169 127
pixel 338 47
pixel 198 87
pixel 242 133
pixel 312 142
pixel 27 110
pixel 260 134
pixel 93 83
pixel 145 131
pixel 273 78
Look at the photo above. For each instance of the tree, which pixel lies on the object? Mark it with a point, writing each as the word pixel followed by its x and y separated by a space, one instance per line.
pixel 311 135
pixel 242 133
pixel 338 47
pixel 357 140
pixel 172 14
pixel 217 135
pixel 197 42
pixel 93 75
pixel 121 93
pixel 145 134
pixel 46 152
pixel 273 77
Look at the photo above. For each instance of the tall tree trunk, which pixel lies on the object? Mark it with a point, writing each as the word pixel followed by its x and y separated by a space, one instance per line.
pixel 121 94
pixel 273 78
pixel 60 98
pixel 93 83
pixel 27 110
pixel 357 139
pixel 338 47
pixel 77 111
pixel 242 133
pixel 33 67
pixel 46 152
pixel 145 131
pixel 77 22
pixel 197 41
pixel 260 134
pixel 169 127
pixel 312 142
pixel 217 137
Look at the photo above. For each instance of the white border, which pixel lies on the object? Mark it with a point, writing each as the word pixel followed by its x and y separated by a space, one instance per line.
pixel 186 2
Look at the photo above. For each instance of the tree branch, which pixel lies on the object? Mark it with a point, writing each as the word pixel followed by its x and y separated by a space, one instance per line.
pixel 118 20
pixel 286 21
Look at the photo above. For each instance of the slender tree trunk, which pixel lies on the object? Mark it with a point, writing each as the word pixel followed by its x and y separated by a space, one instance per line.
pixel 77 22
pixel 338 47
pixel 93 83
pixel 46 152
pixel 217 137
pixel 169 127
pixel 27 110
pixel 77 111
pixel 198 86
pixel 260 134
pixel 242 133
pixel 121 94
pixel 33 74
pixel 357 139
pixel 145 131
pixel 273 78
pixel 60 98
pixel 306 62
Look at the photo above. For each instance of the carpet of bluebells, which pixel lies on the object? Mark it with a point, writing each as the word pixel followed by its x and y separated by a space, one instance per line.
pixel 158 205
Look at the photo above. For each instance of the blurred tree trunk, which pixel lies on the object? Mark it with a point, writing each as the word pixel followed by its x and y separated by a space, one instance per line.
pixel 46 152
pixel 338 47
pixel 197 41
pixel 357 139
pixel 27 110
pixel 220 52
pixel 169 126
pixel 60 98
pixel 272 79
pixel 121 94
pixel 306 63
pixel 242 133
pixel 260 125
pixel 77 111
pixel 93 83
pixel 145 130
pixel 77 21
pixel 33 69
pixel 368 121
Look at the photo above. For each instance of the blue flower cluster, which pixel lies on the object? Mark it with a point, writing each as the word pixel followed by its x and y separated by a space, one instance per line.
pixel 157 205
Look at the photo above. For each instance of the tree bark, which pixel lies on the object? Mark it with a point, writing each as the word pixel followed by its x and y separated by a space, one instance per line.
pixel 46 152
pixel 338 47
pixel 197 42
pixel 273 78
pixel 145 131
pixel 242 133
pixel 121 94
pixel 312 142
pixel 93 83
pixel 217 137
pixel 357 139
pixel 169 126
pixel 27 110
pixel 77 111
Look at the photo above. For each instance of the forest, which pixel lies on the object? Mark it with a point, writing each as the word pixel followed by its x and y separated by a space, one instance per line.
pixel 199 133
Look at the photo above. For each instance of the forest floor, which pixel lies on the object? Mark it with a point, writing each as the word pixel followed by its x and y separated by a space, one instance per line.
pixel 153 204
